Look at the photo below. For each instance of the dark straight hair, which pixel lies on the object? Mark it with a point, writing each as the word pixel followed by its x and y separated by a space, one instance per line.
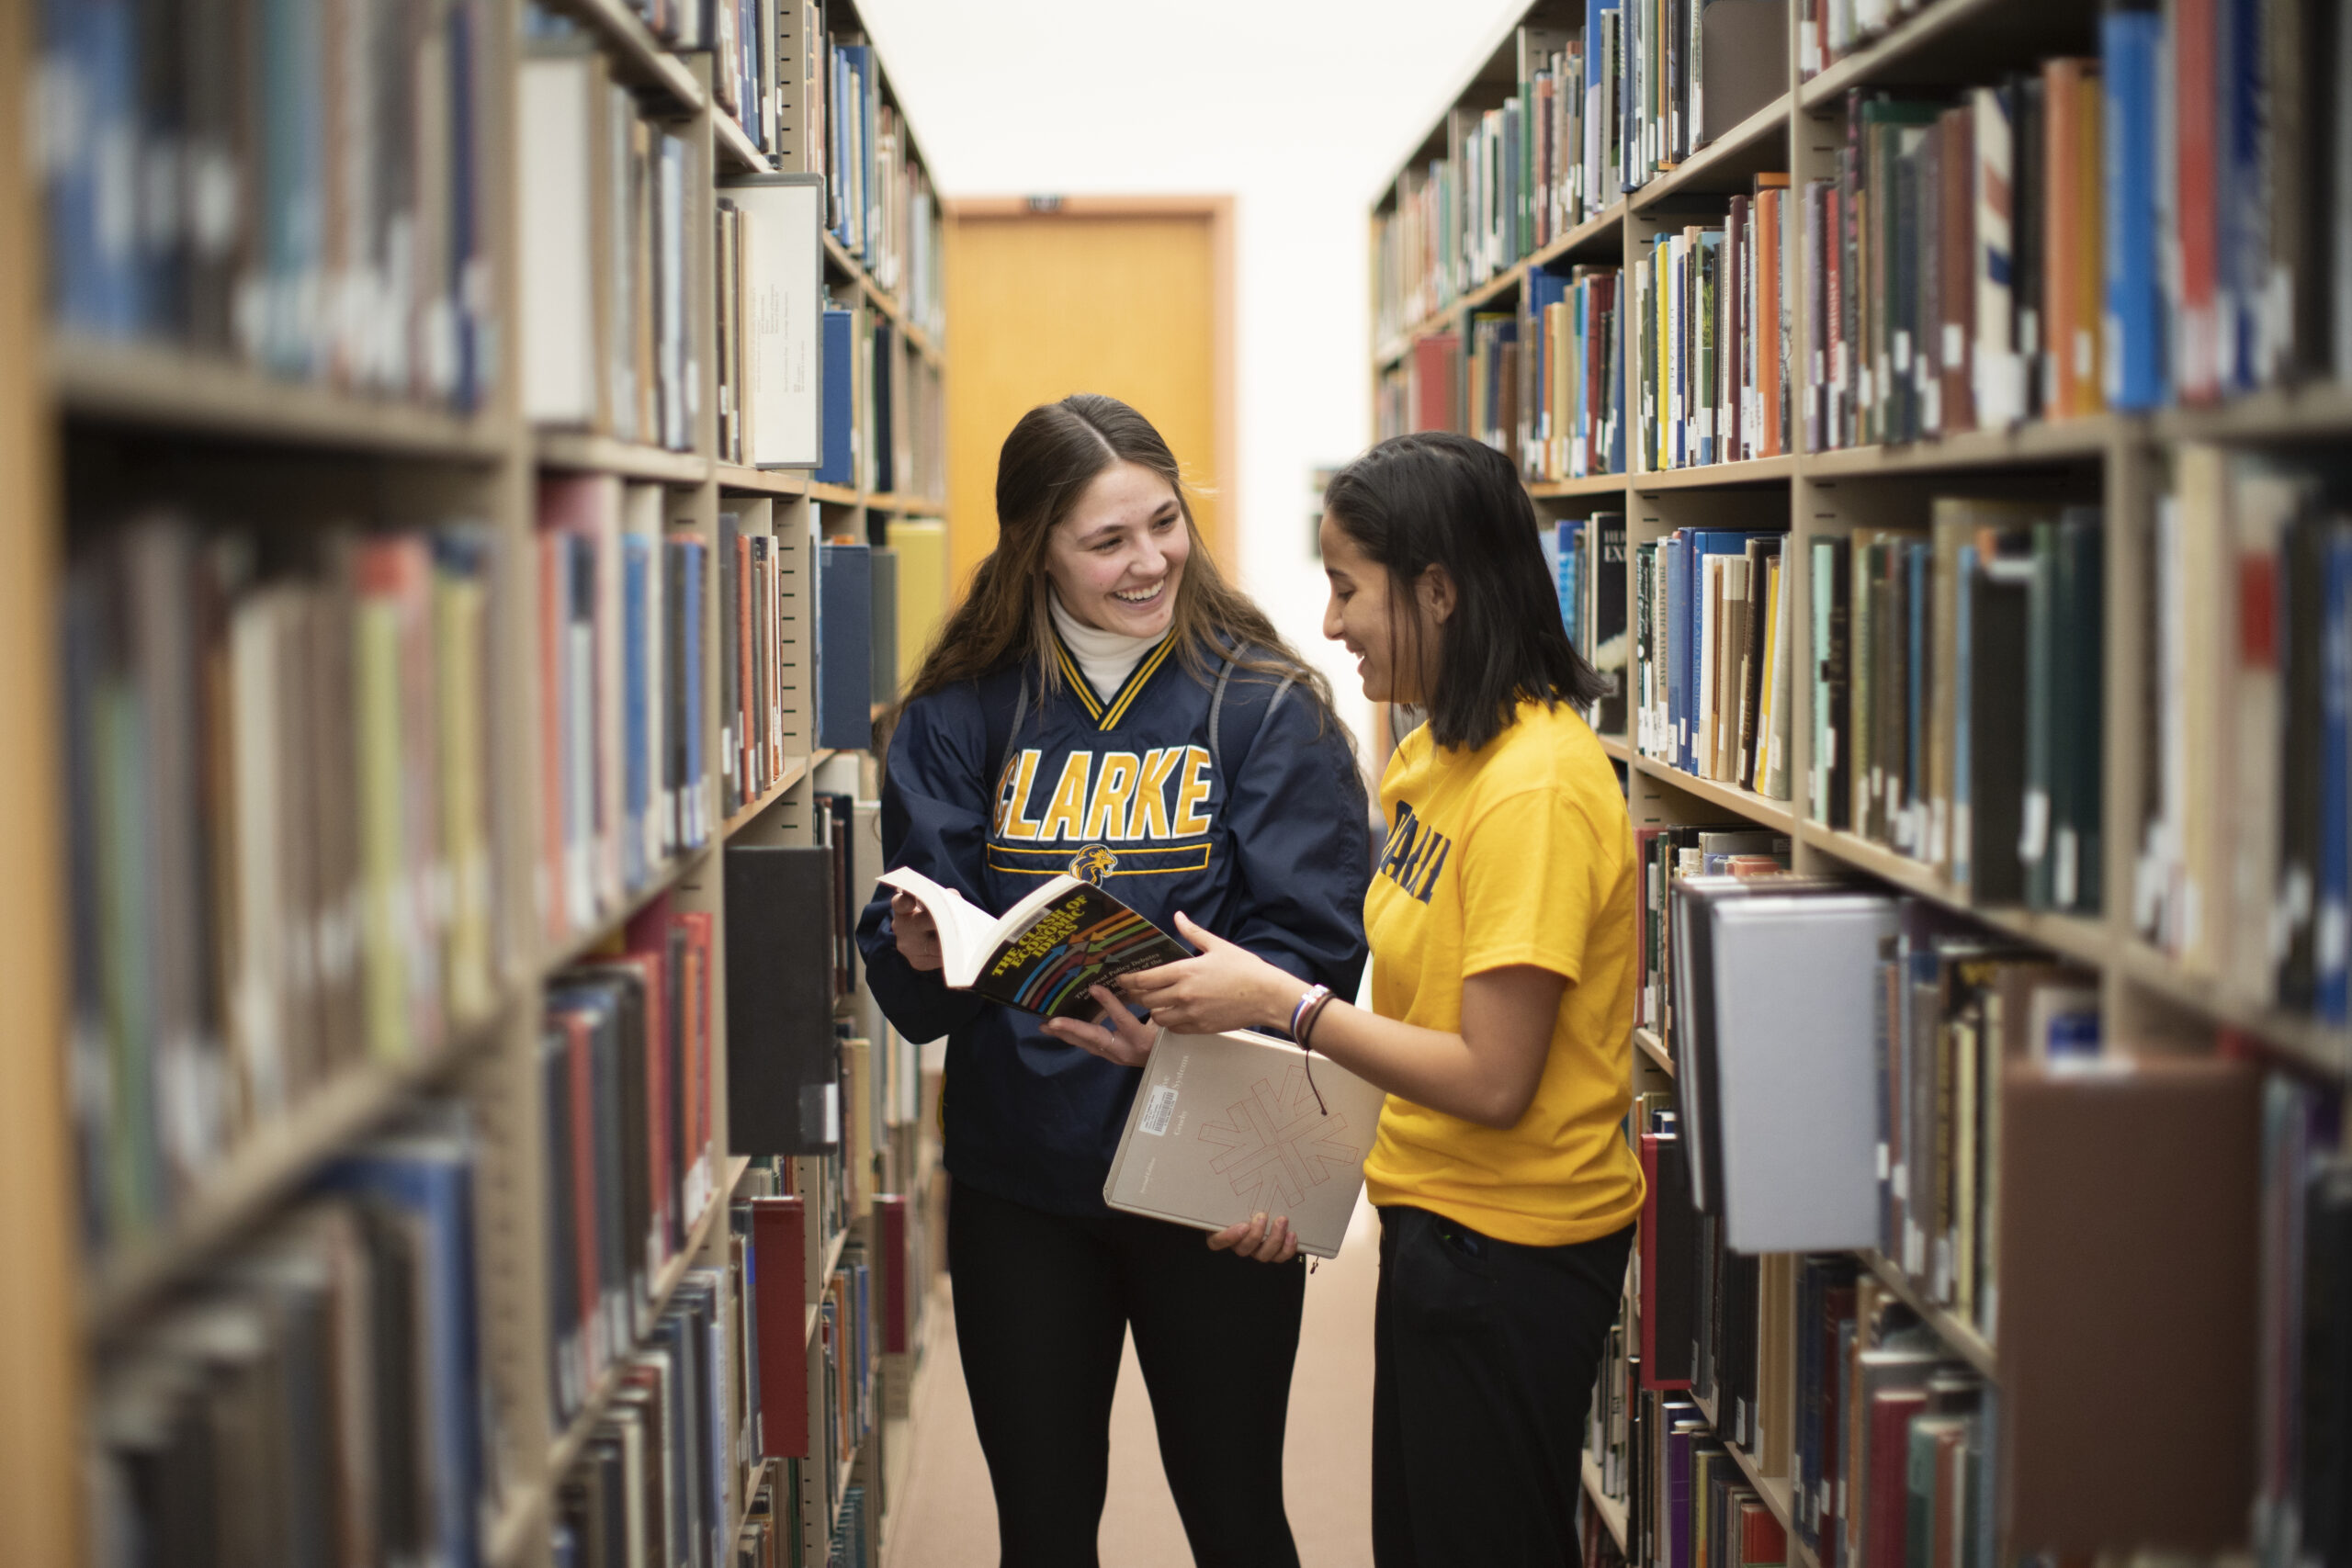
pixel 1416 502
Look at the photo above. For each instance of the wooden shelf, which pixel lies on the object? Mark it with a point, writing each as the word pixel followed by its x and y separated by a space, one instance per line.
pixel 1647 1041
pixel 570 1441
pixel 832 1260
pixel 735 149
pixel 602 454
pixel 2294 414
pixel 1762 810
pixel 795 770
pixel 1956 1332
pixel 1897 54
pixel 1611 1511
pixel 766 481
pixel 2042 441
pixel 2305 1040
pixel 2084 939
pixel 1776 1492
pixel 1586 239
pixel 1728 166
pixel 579 944
pixel 638 56
pixel 1563 489
pixel 836 495
pixel 259 1175
pixel 1715 476
pixel 1617 747
pixel 165 389
pixel 890 502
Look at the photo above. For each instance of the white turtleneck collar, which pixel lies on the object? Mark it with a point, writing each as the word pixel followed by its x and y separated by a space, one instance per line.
pixel 1106 657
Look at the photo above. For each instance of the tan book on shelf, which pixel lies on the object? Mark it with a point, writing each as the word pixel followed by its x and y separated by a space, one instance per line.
pixel 2072 258
pixel 2263 500
pixel 1227 1126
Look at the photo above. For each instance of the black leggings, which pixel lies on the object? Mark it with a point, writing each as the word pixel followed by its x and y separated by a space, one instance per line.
pixel 1043 1305
pixel 1484 1356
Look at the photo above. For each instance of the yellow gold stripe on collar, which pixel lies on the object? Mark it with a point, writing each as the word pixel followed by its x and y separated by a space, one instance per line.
pixel 1078 681
pixel 1136 682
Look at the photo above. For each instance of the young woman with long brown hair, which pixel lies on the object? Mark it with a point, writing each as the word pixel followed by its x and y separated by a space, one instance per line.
pixel 1104 704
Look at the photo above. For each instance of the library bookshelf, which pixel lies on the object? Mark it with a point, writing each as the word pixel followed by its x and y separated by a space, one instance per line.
pixel 2151 1003
pixel 94 423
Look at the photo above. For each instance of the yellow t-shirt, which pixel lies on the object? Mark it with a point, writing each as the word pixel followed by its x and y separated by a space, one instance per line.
pixel 1519 853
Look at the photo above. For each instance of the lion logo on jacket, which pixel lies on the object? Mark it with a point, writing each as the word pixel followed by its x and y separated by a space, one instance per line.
pixel 1094 864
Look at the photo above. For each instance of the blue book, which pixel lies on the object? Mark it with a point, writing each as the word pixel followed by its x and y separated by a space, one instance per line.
pixel 637 712
pixel 2332 976
pixel 834 386
pixel 468 305
pixel 293 215
pixel 844 647
pixel 2131 46
pixel 428 1177
pixel 1553 542
pixel 90 52
pixel 2242 194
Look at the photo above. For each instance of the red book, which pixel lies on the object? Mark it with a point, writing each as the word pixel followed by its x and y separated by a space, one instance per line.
pixel 694 983
pixel 1762 1542
pixel 1887 1477
pixel 779 1239
pixel 891 1211
pixel 584 1192
pixel 1437 359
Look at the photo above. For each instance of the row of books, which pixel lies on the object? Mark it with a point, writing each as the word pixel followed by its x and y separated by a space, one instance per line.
pixel 882 208
pixel 278 772
pixel 1576 425
pixel 335 235
pixel 601 238
pixel 1713 657
pixel 317 1395
pixel 1587 560
pixel 2243 868
pixel 1957 700
pixel 654 1482
pixel 763 655
pixel 1715 336
pixel 625 1077
pixel 1667 854
pixel 2125 231
pixel 624 765
pixel 1514 177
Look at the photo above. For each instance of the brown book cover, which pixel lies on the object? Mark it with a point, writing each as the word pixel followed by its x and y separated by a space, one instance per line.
pixel 2126 1328
pixel 1956 335
pixel 1225 1126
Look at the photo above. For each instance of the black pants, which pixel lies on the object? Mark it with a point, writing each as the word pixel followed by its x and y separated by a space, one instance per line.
pixel 1043 1305
pixel 1483 1357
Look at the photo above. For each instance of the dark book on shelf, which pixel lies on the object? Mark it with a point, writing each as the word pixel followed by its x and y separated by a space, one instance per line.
pixel 783 1061
pixel 2118 1259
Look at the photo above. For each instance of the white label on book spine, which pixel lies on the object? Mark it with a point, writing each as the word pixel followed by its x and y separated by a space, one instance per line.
pixel 1159 1107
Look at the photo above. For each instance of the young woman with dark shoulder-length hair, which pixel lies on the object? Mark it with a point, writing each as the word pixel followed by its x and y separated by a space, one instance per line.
pixel 1502 917
pixel 1103 703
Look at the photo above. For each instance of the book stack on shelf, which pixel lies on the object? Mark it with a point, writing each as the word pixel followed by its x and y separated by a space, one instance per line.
pixel 1977 379
pixel 430 636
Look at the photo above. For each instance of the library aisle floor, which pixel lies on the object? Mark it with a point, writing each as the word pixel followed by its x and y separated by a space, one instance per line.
pixel 950 1521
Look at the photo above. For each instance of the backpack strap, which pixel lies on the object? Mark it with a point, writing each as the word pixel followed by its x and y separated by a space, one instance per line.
pixel 1217 712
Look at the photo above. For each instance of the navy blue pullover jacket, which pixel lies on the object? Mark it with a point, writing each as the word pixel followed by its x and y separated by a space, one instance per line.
pixel 1263 838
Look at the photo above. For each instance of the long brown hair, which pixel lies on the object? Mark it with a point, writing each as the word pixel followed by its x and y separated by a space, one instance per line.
pixel 1053 453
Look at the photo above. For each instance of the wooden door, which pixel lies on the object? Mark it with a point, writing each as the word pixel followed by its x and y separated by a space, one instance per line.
pixel 1128 297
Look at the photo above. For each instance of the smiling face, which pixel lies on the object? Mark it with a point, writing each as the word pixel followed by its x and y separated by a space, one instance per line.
pixel 1118 559
pixel 1381 627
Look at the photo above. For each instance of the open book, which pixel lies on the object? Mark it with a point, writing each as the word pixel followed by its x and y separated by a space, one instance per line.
pixel 1042 954
pixel 1225 1126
